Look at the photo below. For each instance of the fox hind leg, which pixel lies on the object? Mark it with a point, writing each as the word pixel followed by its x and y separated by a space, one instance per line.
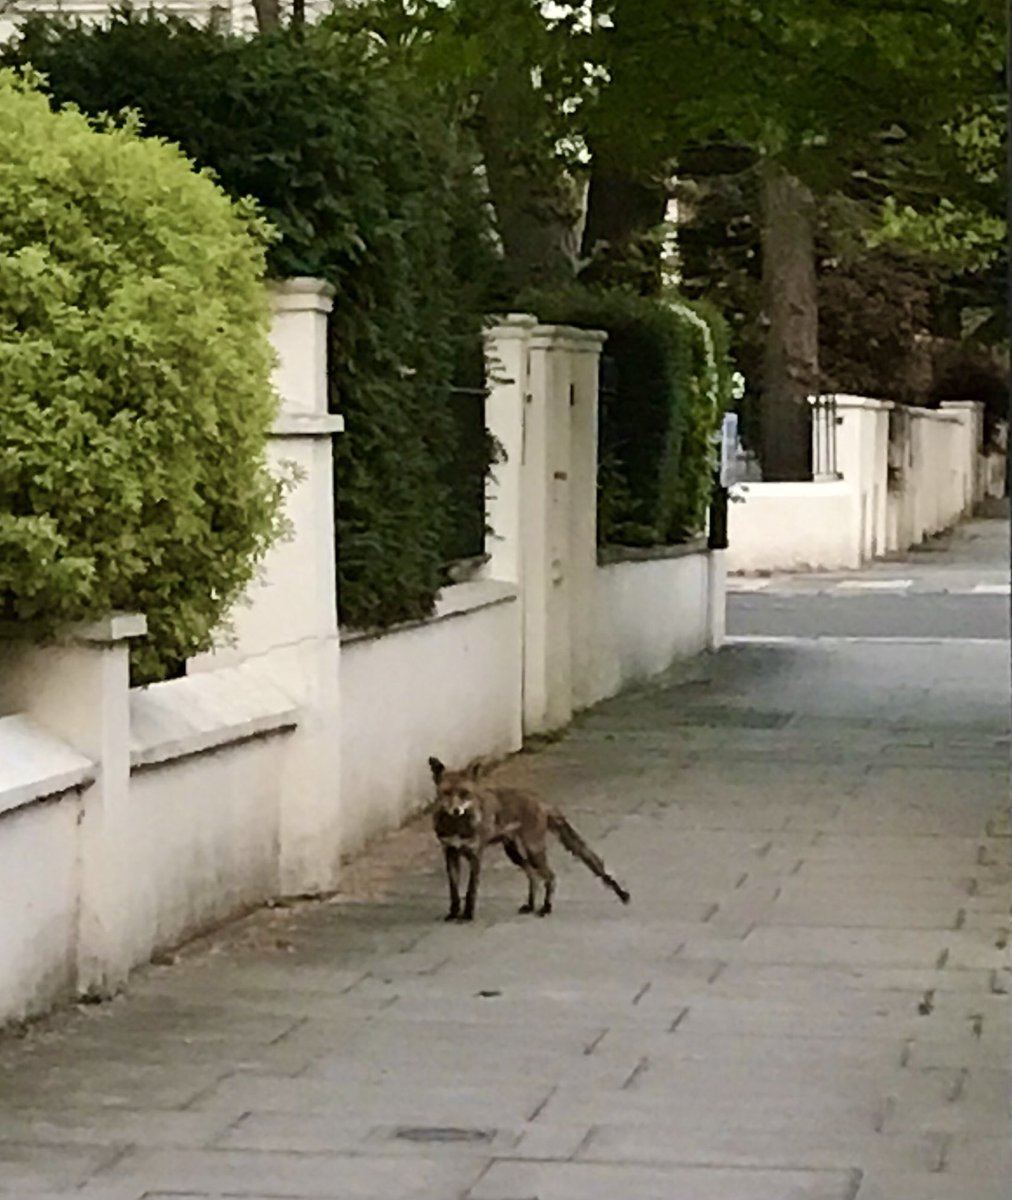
pixel 516 857
pixel 538 860
pixel 528 907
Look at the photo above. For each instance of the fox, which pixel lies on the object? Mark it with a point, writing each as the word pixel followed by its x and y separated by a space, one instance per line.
pixel 470 814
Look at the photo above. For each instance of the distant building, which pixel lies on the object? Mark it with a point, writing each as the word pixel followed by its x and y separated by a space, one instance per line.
pixel 237 14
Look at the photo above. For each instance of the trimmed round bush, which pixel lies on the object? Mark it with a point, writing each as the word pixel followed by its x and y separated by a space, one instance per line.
pixel 135 393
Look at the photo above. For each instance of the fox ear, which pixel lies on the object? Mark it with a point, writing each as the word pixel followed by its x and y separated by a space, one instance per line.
pixel 476 767
pixel 437 769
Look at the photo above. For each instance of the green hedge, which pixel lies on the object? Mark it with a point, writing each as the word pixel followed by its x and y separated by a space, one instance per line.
pixel 371 189
pixel 662 400
pixel 135 393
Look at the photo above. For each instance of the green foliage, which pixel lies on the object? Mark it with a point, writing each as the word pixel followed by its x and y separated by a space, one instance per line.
pixel 891 102
pixel 135 396
pixel 371 188
pixel 972 237
pixel 875 310
pixel 958 215
pixel 891 271
pixel 719 256
pixel 812 83
pixel 661 403
pixel 707 384
pixel 512 76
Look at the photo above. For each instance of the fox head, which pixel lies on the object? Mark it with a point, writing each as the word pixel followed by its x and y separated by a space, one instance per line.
pixel 457 792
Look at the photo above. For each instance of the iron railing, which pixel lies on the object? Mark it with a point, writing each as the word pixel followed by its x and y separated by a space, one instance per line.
pixel 465 477
pixel 607 385
pixel 824 424
pixel 465 474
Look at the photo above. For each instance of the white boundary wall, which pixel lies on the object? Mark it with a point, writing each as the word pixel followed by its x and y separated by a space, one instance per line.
pixel 649 612
pixel 793 527
pixel 450 686
pixel 131 819
pixel 905 474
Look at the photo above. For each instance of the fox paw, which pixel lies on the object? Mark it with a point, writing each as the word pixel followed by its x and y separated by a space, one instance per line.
pixel 525 908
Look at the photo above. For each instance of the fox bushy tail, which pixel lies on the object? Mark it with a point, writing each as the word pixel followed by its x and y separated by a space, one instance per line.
pixel 576 846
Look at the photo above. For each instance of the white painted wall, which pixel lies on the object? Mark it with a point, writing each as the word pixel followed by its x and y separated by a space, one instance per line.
pixel 545 534
pixel 208 756
pixel 38 916
pixel 587 630
pixel 41 782
pixel 793 527
pixel 862 452
pixel 648 615
pixel 992 475
pixel 195 841
pixel 841 524
pixel 90 886
pixel 937 488
pixel 204 841
pixel 450 686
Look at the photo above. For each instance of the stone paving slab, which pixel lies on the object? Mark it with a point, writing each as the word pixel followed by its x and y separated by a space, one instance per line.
pixel 98 1128
pixel 902 1185
pixel 392 1100
pixel 236 1173
pixel 33 1166
pixel 826 1149
pixel 111 1084
pixel 88 1192
pixel 777 979
pixel 807 998
pixel 514 1180
pixel 334 1133
pixel 870 946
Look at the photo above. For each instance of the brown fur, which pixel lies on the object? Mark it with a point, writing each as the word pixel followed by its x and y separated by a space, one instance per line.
pixel 470 814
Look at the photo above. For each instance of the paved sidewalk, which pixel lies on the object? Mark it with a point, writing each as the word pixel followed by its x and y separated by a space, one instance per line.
pixel 971 559
pixel 956 585
pixel 806 999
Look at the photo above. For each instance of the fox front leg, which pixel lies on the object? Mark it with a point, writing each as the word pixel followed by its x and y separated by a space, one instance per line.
pixel 471 898
pixel 452 856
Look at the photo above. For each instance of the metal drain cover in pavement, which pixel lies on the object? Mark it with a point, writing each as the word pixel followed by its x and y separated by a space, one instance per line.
pixel 440 1133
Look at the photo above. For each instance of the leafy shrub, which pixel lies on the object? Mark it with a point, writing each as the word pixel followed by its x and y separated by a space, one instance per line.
pixel 135 396
pixel 370 189
pixel 708 388
pixel 666 382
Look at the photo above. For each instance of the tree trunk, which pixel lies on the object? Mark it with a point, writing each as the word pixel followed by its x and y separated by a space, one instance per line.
pixel 268 14
pixel 791 319
pixel 623 212
pixel 538 205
